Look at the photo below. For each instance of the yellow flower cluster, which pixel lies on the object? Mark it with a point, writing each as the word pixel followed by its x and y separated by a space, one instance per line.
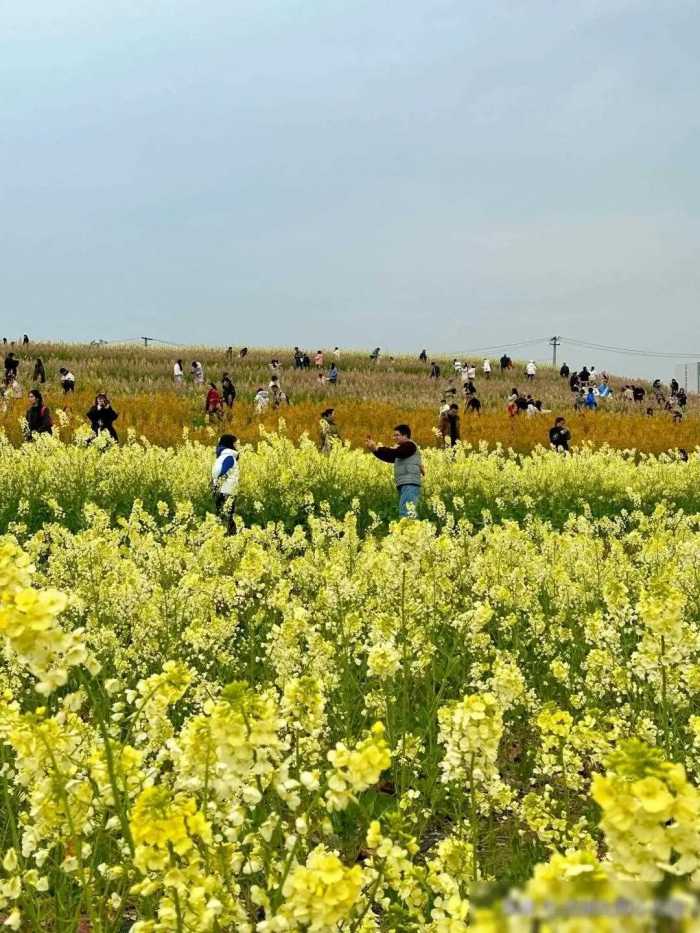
pixel 356 769
pixel 471 732
pixel 28 623
pixel 651 814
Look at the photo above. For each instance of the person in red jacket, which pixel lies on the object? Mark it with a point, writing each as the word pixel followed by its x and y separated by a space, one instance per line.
pixel 213 404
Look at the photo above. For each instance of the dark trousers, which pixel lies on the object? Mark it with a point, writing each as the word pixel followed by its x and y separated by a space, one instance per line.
pixel 226 508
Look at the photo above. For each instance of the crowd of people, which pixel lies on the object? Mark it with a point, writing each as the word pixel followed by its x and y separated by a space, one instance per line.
pixel 589 389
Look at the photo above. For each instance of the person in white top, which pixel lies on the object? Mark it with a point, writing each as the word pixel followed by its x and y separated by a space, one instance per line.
pixel 487 368
pixel 261 401
pixel 471 371
pixel 531 370
pixel 224 479
pixel 457 366
pixel 336 353
pixel 197 372
pixel 178 372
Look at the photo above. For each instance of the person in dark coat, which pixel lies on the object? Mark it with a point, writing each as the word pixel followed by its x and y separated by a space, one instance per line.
pixel 228 390
pixel 102 416
pixel 38 416
pixel 11 367
pixel 39 371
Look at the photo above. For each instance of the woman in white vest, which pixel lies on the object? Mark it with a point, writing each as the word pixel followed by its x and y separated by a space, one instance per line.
pixel 224 478
pixel 408 467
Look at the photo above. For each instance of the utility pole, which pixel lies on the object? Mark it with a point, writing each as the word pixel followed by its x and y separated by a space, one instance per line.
pixel 555 342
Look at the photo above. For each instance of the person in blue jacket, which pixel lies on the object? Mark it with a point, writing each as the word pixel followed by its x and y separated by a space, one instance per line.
pixel 224 478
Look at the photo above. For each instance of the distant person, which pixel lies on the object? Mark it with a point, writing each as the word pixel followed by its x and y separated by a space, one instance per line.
pixel 306 361
pixel 638 394
pixel 213 403
pixel 470 372
pixel 328 430
pixel 674 387
pixel 473 406
pixel 225 479
pixel 650 412
pixel 560 435
pixel 228 390
pixel 178 373
pixel 318 359
pixel 229 353
pixel 197 372
pixel 564 371
pixel 448 426
pixel 590 401
pixel 67 380
pixel 39 374
pixel 457 366
pixel 333 374
pixel 102 417
pixel 584 376
pixel 25 341
pixel 242 353
pixel 434 371
pixel 275 391
pixel 375 354
pixel 336 353
pixel 531 370
pixel 11 365
pixel 261 401
pixel 574 382
pixel 506 362
pixel 486 367
pixel 682 397
pixel 423 356
pixel 408 467
pixel 37 416
pixel 683 454
pixel 604 390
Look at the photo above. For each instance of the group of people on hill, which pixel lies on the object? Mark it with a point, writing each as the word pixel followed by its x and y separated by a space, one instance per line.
pixel 587 385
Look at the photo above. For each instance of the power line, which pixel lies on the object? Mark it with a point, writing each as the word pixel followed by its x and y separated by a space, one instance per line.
pixel 509 346
pixel 629 350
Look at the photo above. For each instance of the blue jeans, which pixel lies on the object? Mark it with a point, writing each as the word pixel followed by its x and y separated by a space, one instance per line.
pixel 407 493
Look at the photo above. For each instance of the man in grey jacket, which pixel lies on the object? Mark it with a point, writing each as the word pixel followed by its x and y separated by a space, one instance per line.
pixel 408 467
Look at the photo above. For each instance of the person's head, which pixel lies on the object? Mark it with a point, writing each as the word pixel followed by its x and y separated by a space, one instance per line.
pixel 650 411
pixel 35 398
pixel 227 442
pixel 179 362
pixel 212 385
pixel 683 454
pixel 402 432
pixel 63 371
pixel 559 422
pixel 328 413
pixel 101 400
pixel 39 361
pixel 454 407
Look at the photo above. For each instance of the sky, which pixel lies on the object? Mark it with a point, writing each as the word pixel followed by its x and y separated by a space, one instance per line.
pixel 451 174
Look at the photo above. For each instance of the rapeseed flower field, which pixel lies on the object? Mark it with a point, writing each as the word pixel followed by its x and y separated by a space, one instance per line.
pixel 485 719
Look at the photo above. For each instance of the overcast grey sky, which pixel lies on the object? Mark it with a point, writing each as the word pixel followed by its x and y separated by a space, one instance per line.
pixel 443 173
